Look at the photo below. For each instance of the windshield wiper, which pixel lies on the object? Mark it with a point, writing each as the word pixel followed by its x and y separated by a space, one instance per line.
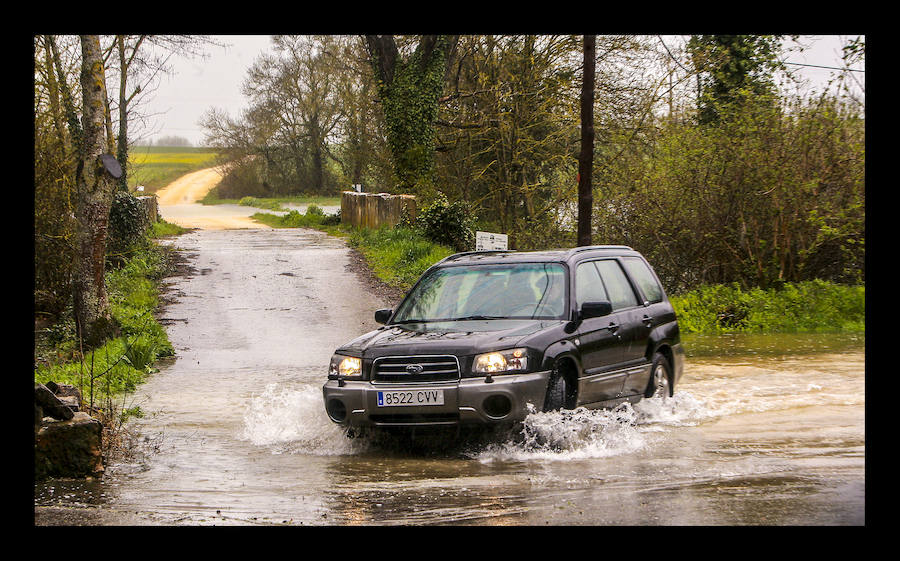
pixel 466 318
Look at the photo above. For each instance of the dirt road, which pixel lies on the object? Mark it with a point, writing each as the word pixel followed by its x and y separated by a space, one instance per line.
pixel 178 204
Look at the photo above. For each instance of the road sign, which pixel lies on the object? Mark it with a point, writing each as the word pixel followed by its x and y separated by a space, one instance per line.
pixel 487 241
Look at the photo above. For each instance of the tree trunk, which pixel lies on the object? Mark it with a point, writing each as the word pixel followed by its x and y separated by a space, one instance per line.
pixel 122 141
pixel 586 158
pixel 409 91
pixel 94 190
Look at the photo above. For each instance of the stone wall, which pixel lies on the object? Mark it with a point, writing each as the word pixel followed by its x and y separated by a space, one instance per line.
pixel 372 210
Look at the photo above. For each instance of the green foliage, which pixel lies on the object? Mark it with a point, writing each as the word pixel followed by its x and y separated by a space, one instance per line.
pixel 161 229
pixel 766 195
pixel 446 223
pixel 398 256
pixel 314 217
pixel 815 305
pixel 511 150
pixel 410 104
pixel 735 69
pixel 332 219
pixel 260 203
pixel 127 222
pixel 119 364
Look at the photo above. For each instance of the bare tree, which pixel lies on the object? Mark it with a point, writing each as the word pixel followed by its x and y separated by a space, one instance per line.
pixel 141 60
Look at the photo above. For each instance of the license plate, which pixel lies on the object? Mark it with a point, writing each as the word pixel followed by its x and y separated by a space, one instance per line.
pixel 410 398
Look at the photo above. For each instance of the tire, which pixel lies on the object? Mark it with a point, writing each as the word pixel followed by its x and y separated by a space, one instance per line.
pixel 660 384
pixel 556 392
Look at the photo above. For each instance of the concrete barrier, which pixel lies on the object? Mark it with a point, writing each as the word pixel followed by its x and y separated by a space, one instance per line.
pixel 373 210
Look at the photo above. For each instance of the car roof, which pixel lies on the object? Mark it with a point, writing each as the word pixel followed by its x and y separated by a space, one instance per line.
pixel 552 255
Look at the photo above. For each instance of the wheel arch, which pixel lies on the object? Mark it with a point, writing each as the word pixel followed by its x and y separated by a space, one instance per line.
pixel 565 360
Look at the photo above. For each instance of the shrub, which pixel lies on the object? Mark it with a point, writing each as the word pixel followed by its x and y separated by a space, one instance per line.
pixel 805 306
pixel 127 222
pixel 332 219
pixel 447 223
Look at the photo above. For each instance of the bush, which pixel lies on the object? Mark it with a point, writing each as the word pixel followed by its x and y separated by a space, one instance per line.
pixel 332 219
pixel 446 223
pixel 127 222
pixel 805 306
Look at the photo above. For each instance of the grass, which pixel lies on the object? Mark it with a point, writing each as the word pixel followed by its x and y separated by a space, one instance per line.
pixel 154 167
pixel 314 218
pixel 398 256
pixel 809 306
pixel 108 373
pixel 273 203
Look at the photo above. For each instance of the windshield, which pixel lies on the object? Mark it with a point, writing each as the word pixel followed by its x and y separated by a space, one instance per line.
pixel 507 291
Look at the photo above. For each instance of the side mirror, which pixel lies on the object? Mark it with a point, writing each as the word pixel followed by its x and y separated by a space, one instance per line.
pixel 595 309
pixel 382 316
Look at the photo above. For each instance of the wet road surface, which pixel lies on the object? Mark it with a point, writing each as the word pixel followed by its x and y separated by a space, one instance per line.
pixel 763 430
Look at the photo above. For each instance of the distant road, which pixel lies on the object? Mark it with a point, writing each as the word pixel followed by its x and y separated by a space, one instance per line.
pixel 178 204
pixel 189 188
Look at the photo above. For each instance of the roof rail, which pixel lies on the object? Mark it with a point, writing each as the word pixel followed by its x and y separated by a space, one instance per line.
pixel 590 247
pixel 463 253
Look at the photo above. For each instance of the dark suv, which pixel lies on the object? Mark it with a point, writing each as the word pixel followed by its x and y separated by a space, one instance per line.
pixel 487 337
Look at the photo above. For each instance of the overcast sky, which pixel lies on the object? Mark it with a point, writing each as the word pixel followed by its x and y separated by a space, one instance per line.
pixel 199 84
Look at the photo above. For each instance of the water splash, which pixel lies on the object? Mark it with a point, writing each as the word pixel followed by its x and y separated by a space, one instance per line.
pixel 598 433
pixel 567 435
pixel 294 421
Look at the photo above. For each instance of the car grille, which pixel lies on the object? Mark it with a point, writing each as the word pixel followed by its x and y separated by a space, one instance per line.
pixel 405 369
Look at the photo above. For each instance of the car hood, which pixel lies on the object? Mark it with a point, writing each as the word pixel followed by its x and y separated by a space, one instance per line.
pixel 459 338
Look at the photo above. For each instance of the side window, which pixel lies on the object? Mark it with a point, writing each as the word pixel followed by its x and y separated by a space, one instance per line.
pixel 621 295
pixel 644 278
pixel 588 286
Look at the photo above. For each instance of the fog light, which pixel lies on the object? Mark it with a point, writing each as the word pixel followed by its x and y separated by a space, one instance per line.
pixel 336 410
pixel 497 406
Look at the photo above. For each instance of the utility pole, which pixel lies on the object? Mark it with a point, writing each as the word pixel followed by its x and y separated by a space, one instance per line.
pixel 586 158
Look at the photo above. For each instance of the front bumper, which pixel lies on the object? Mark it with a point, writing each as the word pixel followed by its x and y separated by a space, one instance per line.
pixel 469 401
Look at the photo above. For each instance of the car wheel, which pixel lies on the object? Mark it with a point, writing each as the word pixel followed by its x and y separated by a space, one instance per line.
pixel 660 384
pixel 556 392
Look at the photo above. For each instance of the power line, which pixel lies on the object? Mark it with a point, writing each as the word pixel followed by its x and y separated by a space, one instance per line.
pixel 792 63
pixel 828 67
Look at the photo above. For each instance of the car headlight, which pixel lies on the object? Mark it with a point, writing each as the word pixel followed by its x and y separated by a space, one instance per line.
pixel 513 360
pixel 345 367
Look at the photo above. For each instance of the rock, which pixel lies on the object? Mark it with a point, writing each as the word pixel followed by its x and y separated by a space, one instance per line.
pixel 68 394
pixel 38 417
pixel 71 401
pixel 70 448
pixel 51 404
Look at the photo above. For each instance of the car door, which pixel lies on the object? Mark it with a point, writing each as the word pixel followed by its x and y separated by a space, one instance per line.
pixel 601 343
pixel 643 319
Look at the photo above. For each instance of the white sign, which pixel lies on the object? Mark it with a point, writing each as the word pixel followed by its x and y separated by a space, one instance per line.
pixel 487 241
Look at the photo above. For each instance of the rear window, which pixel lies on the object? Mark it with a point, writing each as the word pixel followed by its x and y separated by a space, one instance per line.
pixel 644 278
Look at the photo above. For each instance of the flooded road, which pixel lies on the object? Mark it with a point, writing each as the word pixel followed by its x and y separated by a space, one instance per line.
pixel 763 430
